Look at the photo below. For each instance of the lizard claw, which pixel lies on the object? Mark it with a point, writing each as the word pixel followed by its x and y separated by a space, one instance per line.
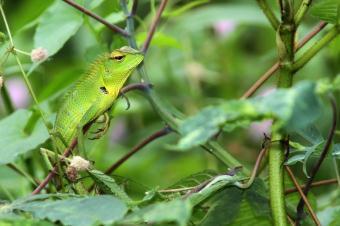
pixel 101 131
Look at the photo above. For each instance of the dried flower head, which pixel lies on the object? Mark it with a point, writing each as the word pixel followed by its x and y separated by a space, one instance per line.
pixel 79 163
pixel 39 54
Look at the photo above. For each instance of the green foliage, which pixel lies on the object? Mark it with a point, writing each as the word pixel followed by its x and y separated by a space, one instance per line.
pixel 178 211
pixel 203 53
pixel 20 133
pixel 109 186
pixel 57 24
pixel 76 211
pixel 328 10
pixel 293 109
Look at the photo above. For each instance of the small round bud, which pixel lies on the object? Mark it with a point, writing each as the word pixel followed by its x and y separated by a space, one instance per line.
pixel 79 163
pixel 72 174
pixel 39 54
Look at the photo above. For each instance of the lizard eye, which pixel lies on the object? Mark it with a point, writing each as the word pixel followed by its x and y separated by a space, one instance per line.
pixel 117 57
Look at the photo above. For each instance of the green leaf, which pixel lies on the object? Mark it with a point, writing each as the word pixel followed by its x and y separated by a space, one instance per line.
pixel 247 217
pixel 256 195
pixel 109 186
pixel 293 110
pixel 178 211
pixel 57 25
pixel 327 10
pixel 16 138
pixel 160 40
pixel 84 211
pixel 225 207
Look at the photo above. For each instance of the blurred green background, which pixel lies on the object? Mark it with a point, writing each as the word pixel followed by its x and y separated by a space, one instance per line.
pixel 199 56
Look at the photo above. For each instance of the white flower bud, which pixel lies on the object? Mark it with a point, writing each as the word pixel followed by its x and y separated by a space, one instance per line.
pixel 1 81
pixel 39 54
pixel 79 163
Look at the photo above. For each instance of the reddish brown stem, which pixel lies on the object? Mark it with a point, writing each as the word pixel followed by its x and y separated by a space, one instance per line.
pixel 297 186
pixel 153 26
pixel 166 130
pixel 112 27
pixel 315 184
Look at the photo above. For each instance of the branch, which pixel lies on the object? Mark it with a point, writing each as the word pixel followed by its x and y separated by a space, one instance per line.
pixel 160 133
pixel 316 167
pixel 263 4
pixel 315 184
pixel 311 52
pixel 112 27
pixel 275 67
pixel 310 209
pixel 153 26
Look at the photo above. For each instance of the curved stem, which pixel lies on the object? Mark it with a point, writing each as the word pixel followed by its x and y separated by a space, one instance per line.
pixel 28 84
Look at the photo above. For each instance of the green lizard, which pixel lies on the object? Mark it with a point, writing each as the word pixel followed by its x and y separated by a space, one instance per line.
pixel 95 93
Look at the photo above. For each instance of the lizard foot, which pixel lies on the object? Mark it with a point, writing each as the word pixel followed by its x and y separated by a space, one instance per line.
pixel 105 120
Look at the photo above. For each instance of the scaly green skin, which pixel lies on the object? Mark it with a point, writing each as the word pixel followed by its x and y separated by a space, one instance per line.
pixel 95 92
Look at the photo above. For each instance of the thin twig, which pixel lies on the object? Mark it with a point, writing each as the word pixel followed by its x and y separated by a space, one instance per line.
pixel 275 67
pixel 315 184
pixel 153 26
pixel 309 207
pixel 316 167
pixel 255 169
pixel 98 18
pixel 160 133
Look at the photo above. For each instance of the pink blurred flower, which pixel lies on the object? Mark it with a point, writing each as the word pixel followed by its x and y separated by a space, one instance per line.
pixel 18 92
pixel 224 27
pixel 258 129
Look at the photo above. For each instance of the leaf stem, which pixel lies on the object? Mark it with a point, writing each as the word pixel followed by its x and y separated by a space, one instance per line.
pixel 28 84
pixel 22 173
pixel 263 4
pixel 313 50
pixel 304 6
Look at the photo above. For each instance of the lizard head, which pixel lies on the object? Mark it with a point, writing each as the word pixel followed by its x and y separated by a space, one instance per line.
pixel 121 62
